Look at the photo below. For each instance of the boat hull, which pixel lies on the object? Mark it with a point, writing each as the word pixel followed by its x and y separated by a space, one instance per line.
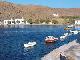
pixel 50 41
pixel 67 28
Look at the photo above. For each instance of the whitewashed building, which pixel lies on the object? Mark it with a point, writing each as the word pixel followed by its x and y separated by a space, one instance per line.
pixel 43 23
pixel 27 22
pixel 55 15
pixel 11 21
pixel 15 21
pixel 0 23
pixel 77 22
pixel 50 23
pixel 19 21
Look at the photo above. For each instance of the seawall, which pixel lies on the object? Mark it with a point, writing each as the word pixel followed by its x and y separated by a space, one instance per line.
pixel 55 54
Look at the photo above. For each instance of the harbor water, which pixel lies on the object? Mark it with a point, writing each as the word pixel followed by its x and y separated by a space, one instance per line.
pixel 13 38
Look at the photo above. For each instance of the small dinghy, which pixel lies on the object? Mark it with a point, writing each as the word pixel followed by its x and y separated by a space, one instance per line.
pixel 29 44
pixel 64 36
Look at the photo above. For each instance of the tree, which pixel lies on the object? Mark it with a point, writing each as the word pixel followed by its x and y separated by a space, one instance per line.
pixel 55 21
pixel 30 21
pixel 66 20
pixel 47 21
pixel 41 20
pixel 37 21
pixel 70 19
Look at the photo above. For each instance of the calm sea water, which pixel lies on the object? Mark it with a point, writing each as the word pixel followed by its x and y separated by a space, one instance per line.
pixel 12 39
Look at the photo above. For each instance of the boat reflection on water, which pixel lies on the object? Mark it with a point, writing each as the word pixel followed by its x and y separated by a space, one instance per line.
pixel 77 27
pixel 13 26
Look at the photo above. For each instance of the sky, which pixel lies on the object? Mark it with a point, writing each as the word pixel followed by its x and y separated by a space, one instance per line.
pixel 50 3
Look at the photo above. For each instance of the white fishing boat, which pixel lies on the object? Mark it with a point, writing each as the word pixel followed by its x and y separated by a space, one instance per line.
pixel 29 44
pixel 74 32
pixel 70 26
pixel 64 36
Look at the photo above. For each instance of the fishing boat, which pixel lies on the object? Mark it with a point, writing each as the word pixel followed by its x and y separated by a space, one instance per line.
pixel 29 44
pixel 64 36
pixel 74 32
pixel 69 27
pixel 50 39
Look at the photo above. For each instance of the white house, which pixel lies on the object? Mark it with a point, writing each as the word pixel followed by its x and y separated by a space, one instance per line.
pixel 77 22
pixel 15 21
pixel 43 23
pixel 9 22
pixel 19 21
pixel 55 15
pixel 27 22
pixel 0 23
pixel 50 23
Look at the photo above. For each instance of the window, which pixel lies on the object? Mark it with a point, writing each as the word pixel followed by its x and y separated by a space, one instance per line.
pixel 17 21
pixel 9 22
pixel 22 21
pixel 5 21
pixel 13 21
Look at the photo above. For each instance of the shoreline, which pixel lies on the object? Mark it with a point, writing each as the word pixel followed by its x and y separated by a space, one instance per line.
pixel 55 54
pixel 38 24
pixel 32 24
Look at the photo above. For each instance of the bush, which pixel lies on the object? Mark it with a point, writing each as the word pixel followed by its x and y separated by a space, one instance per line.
pixel 55 21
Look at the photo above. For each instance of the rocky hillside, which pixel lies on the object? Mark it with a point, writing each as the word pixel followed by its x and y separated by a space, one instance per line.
pixel 10 10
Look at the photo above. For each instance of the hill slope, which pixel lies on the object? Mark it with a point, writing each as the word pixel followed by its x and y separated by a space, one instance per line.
pixel 10 10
